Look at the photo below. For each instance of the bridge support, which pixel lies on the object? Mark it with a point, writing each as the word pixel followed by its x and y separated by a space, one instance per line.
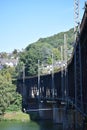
pixel 45 111
pixel 57 114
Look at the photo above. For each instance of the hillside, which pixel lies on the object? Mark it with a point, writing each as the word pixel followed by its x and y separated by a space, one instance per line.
pixel 42 50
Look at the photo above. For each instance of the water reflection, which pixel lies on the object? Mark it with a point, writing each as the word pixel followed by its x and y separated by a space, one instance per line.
pixel 48 125
pixel 41 125
pixel 6 125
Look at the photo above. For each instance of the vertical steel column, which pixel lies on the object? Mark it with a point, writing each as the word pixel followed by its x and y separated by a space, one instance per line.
pixel 65 122
pixel 77 64
pixel 38 79
pixel 53 87
pixel 23 90
pixel 66 70
pixel 78 79
pixel 23 73
pixel 65 119
pixel 62 81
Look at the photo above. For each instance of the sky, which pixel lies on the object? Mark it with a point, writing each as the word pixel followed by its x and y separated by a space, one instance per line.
pixel 25 21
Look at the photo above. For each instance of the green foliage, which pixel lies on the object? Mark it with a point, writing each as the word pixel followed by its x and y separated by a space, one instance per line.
pixel 42 50
pixel 15 104
pixel 15 53
pixel 5 93
pixel 9 98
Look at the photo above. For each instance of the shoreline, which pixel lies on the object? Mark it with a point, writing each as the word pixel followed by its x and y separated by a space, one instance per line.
pixel 16 116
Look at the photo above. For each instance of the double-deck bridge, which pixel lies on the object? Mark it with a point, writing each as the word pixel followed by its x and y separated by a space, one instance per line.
pixel 62 90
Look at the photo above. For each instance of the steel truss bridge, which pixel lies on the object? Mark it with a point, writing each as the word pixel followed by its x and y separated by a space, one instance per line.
pixel 68 89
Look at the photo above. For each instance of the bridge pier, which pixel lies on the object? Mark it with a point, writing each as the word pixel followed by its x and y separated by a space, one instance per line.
pixel 48 111
pixel 58 114
pixel 64 117
pixel 45 112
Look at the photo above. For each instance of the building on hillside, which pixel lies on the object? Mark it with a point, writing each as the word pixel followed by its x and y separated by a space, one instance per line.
pixel 8 62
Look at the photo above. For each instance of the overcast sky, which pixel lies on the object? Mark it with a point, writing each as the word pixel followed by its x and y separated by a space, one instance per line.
pixel 25 21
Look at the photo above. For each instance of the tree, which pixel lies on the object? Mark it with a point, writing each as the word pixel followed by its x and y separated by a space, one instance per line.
pixel 15 52
pixel 8 95
pixel 6 89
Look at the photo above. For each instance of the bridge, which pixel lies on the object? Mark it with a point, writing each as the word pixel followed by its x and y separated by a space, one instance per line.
pixel 52 96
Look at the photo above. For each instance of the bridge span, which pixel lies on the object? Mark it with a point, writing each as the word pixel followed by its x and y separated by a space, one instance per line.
pixel 51 96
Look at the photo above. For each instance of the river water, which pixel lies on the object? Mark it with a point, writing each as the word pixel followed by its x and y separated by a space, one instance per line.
pixel 12 125
pixel 47 125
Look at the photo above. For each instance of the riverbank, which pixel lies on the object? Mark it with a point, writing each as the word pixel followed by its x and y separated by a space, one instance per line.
pixel 17 116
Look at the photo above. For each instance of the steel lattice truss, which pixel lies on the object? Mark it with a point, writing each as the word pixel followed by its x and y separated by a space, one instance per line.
pixel 76 15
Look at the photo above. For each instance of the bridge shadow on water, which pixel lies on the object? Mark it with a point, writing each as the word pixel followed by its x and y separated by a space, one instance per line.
pixel 51 125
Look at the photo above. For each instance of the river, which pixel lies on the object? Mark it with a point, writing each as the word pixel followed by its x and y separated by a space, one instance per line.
pixel 47 125
pixel 13 125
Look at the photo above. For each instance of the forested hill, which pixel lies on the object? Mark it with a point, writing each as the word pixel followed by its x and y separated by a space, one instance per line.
pixel 43 49
pixel 56 40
